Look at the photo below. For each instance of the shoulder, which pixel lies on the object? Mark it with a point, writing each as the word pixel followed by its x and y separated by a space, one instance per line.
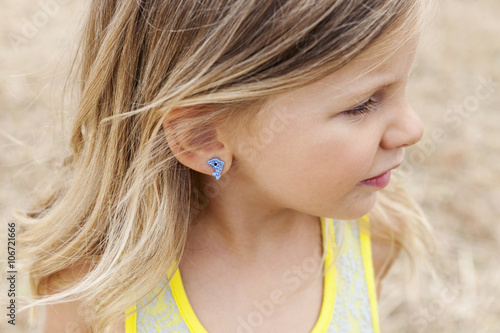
pixel 67 316
pixel 71 316
pixel 384 245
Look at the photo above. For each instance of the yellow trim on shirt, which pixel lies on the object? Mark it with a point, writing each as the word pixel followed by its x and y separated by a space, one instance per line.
pixel 131 321
pixel 366 253
pixel 329 285
pixel 185 308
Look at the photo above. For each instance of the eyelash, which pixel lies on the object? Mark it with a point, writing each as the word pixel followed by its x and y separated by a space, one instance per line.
pixel 363 108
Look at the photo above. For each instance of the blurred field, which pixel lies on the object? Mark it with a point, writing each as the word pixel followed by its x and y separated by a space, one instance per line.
pixel 453 174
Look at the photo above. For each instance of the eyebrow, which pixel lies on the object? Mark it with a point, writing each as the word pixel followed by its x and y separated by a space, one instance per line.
pixel 373 85
pixel 381 82
pixel 380 85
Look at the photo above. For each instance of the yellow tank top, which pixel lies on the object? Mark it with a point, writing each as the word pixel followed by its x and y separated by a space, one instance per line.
pixel 349 302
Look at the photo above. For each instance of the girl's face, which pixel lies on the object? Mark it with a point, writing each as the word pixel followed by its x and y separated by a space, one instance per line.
pixel 320 142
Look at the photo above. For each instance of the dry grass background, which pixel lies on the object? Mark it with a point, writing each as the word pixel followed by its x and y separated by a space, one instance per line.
pixel 454 176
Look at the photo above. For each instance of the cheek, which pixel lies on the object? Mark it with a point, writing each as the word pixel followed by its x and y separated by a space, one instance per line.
pixel 343 161
pixel 321 160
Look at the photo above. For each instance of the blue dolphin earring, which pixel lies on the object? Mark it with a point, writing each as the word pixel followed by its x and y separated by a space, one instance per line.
pixel 217 165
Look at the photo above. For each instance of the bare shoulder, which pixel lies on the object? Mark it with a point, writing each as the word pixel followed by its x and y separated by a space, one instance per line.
pixel 384 251
pixel 70 316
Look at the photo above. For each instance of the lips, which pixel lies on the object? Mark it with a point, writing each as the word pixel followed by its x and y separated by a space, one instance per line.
pixel 382 180
pixel 379 181
pixel 384 172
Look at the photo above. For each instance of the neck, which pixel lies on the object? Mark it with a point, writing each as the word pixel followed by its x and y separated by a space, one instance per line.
pixel 248 225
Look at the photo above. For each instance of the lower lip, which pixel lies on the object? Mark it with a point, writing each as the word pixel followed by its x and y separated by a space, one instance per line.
pixel 378 182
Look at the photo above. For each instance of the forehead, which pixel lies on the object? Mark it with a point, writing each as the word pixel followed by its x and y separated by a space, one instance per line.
pixel 381 64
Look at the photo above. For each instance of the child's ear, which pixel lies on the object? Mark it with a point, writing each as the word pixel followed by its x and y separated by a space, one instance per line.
pixel 194 143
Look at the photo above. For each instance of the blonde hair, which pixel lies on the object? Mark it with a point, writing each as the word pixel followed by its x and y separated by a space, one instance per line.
pixel 124 202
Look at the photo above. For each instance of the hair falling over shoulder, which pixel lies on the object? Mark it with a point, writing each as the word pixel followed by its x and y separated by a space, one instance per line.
pixel 124 203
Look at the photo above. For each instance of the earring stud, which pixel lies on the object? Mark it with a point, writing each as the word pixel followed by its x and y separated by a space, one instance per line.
pixel 217 165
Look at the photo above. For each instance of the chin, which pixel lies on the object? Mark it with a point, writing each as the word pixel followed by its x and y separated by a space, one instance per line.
pixel 356 210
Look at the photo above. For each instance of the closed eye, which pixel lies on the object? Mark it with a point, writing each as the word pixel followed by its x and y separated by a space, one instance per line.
pixel 361 108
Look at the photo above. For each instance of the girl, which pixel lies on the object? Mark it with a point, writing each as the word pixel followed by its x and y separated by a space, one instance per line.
pixel 225 163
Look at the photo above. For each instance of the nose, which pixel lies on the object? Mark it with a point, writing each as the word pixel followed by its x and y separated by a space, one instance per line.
pixel 405 128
